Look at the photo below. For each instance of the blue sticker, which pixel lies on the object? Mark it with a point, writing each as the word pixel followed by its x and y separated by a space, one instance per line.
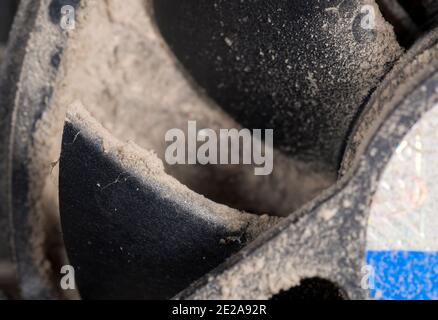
pixel 404 275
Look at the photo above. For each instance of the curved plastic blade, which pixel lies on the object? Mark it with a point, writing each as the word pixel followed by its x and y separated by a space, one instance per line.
pixel 131 231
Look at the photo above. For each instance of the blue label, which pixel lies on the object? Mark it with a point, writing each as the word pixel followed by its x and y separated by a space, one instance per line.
pixel 404 275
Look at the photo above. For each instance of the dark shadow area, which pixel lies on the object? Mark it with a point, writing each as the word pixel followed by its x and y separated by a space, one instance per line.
pixel 311 289
pixel 405 28
pixel 8 8
pixel 423 12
